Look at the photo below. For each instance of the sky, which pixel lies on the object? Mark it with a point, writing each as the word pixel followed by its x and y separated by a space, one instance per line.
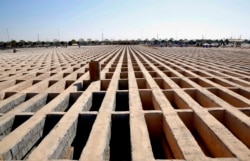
pixel 65 20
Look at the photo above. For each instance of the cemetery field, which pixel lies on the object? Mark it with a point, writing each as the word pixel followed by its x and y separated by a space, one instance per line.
pixel 147 104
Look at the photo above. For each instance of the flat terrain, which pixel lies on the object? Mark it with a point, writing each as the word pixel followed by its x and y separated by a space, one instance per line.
pixel 150 104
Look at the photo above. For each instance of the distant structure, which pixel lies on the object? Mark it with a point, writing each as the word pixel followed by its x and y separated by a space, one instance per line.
pixel 235 42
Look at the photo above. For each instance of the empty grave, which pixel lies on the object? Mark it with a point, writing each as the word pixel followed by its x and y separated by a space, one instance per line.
pixel 21 98
pixel 120 144
pixel 200 133
pixel 175 100
pixel 148 100
pixel 241 83
pixel 181 83
pixel 228 98
pixel 246 112
pixel 68 83
pixel 50 121
pixel 243 92
pixel 105 84
pixel 222 83
pixel 142 84
pixel 123 84
pixel 185 73
pixel 82 86
pixel 162 84
pixel 139 75
pixel 160 146
pixel 84 127
pixel 72 98
pixel 124 75
pixel 201 98
pixel 202 74
pixel 7 95
pixel 233 125
pixel 201 82
pixel 97 98
pixel 122 101
pixel 109 75
pixel 154 74
pixel 20 119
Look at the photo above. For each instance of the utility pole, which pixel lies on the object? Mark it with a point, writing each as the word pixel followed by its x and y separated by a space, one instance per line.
pixel 202 39
pixel 102 35
pixel 157 36
pixel 58 34
pixel 141 34
pixel 8 35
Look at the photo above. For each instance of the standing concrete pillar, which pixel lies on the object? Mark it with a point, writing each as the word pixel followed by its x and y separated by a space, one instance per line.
pixel 94 70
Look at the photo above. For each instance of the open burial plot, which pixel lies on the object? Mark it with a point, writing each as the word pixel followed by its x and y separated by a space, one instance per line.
pixel 147 104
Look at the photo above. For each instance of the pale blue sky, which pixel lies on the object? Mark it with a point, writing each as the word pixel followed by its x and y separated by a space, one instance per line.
pixel 124 19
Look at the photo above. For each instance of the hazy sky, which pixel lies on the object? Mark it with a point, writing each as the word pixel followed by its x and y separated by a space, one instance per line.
pixel 123 19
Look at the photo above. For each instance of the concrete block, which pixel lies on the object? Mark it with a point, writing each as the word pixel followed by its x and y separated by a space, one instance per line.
pixel 94 70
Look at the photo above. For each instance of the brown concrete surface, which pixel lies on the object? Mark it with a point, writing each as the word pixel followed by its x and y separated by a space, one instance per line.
pixel 149 104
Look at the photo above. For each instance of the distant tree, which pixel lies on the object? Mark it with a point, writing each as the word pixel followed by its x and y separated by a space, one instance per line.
pixel 56 42
pixel 96 42
pixel 21 43
pixel 171 40
pixel 245 41
pixel 38 43
pixel 145 41
pixel 221 42
pixel 176 41
pixel 34 44
pixel 5 45
pixel 163 41
pixel 73 41
pixel 81 41
pixel 70 43
pixel 89 41
pixel 29 43
pixel 180 42
pixel 198 43
pixel 106 41
pixel 138 41
pixel 13 43
pixel 43 43
pixel 209 41
pixel 226 41
pixel 216 41
pixel 154 41
pixel 1 44
pixel 191 42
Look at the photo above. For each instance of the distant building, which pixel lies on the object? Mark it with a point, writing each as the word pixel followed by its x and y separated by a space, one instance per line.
pixel 245 45
pixel 235 42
